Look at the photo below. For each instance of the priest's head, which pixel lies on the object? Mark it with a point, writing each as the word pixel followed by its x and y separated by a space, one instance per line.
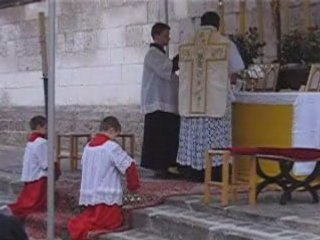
pixel 210 19
pixel 160 33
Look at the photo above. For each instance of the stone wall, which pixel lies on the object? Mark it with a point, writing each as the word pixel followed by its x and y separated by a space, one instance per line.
pixel 100 50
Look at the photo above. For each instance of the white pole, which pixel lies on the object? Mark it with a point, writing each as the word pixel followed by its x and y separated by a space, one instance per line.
pixel 51 117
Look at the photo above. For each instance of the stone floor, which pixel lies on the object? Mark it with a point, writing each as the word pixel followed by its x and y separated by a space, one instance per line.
pixel 299 219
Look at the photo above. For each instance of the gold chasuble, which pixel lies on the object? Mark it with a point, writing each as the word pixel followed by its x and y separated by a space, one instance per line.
pixel 204 75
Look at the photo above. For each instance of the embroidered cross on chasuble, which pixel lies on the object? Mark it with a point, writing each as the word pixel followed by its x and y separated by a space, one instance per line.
pixel 203 75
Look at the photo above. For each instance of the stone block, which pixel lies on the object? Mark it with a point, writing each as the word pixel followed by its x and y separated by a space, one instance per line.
pixel 146 35
pixel 32 10
pixel 61 43
pixel 196 8
pixel 29 29
pixel 26 96
pixel 125 15
pixel 23 79
pixel 180 9
pixel 116 37
pixel 154 7
pixel 29 63
pixel 11 15
pixel 134 35
pixel 8 64
pixel 98 75
pixel 135 54
pixel 132 73
pixel 174 32
pixel 28 47
pixel 4 125
pixel 81 41
pixel 9 32
pixel 117 55
pixel 186 30
pixel 83 59
pixel 102 36
pixel 68 23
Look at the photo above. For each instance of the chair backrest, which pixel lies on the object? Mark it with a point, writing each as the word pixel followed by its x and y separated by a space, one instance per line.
pixel 313 84
pixel 269 79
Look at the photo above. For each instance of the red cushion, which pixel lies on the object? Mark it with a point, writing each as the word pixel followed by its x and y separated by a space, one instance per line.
pixel 241 150
pixel 301 154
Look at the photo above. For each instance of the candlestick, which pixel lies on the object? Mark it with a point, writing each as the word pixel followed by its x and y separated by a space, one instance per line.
pixel 242 7
pixel 260 19
pixel 306 15
pixel 221 14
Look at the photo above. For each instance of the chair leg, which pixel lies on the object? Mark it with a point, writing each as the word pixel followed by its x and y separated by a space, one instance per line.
pixel 207 179
pixel 234 180
pixel 58 150
pixel 76 151
pixel 252 181
pixel 71 154
pixel 225 179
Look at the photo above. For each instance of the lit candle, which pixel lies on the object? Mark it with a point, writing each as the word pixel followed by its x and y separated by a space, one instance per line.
pixel 221 14
pixel 306 14
pixel 242 16
pixel 260 19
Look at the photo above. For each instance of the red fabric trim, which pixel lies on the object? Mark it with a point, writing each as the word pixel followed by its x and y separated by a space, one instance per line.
pixel 98 140
pixel 298 154
pixel 95 218
pixel 133 182
pixel 302 154
pixel 32 198
pixel 34 135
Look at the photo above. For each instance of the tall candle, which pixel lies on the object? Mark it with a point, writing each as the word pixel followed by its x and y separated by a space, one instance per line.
pixel 306 14
pixel 221 14
pixel 242 7
pixel 260 19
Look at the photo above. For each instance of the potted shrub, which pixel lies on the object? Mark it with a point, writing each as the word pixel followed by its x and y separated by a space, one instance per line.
pixel 298 51
pixel 249 45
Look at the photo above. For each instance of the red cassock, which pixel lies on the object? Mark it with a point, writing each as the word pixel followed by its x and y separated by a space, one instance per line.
pixel 101 216
pixel 33 197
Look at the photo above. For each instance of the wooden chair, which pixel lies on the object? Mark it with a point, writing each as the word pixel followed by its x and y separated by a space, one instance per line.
pixel 313 84
pixel 130 138
pixel 73 151
pixel 269 79
pixel 230 187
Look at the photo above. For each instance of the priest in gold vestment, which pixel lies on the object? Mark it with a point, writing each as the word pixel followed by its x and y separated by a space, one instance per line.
pixel 207 63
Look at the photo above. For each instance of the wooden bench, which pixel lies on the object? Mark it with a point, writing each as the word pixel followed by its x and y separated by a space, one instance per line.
pixel 286 157
pixel 230 184
pixel 73 150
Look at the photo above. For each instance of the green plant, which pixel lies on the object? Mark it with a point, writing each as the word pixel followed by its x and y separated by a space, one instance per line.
pixel 301 47
pixel 249 45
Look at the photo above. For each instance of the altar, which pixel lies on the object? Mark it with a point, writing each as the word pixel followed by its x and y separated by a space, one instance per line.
pixel 276 119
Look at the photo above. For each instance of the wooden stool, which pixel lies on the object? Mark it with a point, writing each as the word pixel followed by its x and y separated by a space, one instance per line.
pixel 74 147
pixel 235 184
pixel 129 137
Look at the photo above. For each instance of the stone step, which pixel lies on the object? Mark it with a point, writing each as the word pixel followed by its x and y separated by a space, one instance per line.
pixel 269 213
pixel 174 222
pixel 135 234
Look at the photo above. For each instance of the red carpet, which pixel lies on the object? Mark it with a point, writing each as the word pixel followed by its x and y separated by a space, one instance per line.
pixel 151 193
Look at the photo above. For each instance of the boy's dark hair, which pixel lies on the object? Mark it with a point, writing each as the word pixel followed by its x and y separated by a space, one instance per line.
pixel 211 19
pixel 110 122
pixel 11 228
pixel 37 121
pixel 158 28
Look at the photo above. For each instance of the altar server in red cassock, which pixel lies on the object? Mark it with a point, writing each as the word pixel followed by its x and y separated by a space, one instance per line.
pixel 103 163
pixel 33 197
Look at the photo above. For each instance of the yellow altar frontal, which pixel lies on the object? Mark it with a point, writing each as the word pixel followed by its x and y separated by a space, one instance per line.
pixel 276 120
